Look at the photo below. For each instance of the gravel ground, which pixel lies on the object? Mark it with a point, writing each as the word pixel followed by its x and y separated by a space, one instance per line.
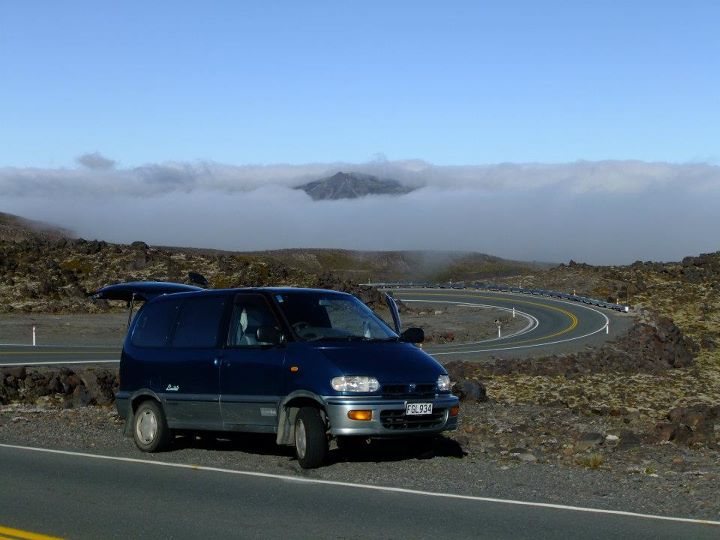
pixel 444 323
pixel 664 480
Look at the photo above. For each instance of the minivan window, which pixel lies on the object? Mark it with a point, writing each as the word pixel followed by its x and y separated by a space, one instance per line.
pixel 330 317
pixel 155 324
pixel 250 312
pixel 199 322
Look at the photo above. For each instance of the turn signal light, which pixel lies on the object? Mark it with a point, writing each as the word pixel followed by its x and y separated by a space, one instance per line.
pixel 454 410
pixel 360 415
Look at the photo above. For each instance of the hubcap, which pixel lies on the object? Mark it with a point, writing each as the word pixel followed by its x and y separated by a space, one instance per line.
pixel 300 439
pixel 146 427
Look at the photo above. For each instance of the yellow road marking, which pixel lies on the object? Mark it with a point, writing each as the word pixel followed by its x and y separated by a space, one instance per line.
pixel 24 535
pixel 571 316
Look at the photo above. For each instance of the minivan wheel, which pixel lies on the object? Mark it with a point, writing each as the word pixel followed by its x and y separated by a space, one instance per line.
pixel 311 444
pixel 150 429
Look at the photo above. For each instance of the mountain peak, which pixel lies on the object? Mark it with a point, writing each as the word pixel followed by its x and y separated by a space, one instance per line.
pixel 352 185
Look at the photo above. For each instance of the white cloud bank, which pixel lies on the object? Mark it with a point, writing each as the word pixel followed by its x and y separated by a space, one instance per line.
pixel 600 212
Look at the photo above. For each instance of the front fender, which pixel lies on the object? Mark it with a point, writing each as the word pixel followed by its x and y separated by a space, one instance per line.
pixel 288 410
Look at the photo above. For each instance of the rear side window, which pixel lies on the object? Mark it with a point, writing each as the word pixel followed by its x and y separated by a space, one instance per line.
pixel 199 322
pixel 155 324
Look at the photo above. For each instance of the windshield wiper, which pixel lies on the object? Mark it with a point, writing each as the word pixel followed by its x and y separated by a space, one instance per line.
pixel 339 338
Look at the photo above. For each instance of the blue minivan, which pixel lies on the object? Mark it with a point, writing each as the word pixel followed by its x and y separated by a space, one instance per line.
pixel 307 365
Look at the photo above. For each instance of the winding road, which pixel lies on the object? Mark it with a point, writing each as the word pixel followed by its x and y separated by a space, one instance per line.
pixel 553 326
pixel 56 355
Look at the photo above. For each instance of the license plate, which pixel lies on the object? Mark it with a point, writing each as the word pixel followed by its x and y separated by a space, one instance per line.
pixel 414 409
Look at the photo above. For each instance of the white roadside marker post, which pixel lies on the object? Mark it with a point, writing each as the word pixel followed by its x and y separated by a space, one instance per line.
pixel 34 342
pixel 607 328
pixel 513 313
pixel 499 335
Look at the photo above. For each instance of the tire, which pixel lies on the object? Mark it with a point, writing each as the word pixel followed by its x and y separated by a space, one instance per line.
pixel 311 443
pixel 150 429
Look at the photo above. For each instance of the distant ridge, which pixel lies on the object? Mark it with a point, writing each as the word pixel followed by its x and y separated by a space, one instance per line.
pixel 352 185
pixel 18 229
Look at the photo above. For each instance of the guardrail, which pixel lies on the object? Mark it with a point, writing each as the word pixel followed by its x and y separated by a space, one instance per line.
pixel 499 288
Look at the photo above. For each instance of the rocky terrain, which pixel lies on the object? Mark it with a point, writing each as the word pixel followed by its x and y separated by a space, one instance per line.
pixel 43 270
pixel 59 275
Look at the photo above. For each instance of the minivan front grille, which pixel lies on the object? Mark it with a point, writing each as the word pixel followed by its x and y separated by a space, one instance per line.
pixel 405 391
pixel 398 420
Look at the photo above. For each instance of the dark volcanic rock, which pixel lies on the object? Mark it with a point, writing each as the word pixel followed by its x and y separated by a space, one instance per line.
pixel 628 439
pixel 86 387
pixel 468 390
pixel 17 372
pixel 689 425
pixel 79 398
pixel 100 385
pixel 588 440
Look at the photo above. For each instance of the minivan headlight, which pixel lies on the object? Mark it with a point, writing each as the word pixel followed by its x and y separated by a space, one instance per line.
pixel 354 383
pixel 443 383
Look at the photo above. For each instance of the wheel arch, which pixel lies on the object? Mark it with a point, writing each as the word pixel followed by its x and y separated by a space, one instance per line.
pixel 135 400
pixel 140 396
pixel 288 410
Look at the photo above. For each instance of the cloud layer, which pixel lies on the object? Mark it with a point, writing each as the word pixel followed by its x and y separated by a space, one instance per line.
pixel 600 212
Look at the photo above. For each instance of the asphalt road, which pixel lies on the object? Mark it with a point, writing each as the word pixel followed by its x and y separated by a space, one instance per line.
pixel 553 326
pixel 81 496
pixel 24 355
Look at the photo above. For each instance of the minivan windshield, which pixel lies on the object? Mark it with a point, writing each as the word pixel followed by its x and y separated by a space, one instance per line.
pixel 332 317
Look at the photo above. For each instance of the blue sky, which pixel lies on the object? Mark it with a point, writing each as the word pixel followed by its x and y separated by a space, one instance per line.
pixel 298 82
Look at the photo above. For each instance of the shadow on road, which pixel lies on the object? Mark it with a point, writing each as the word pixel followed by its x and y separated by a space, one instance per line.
pixel 381 450
pixel 397 450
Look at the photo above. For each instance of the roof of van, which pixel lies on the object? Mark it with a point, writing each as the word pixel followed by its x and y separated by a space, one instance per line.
pixel 147 290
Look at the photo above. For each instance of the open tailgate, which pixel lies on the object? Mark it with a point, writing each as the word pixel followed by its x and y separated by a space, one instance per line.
pixel 141 290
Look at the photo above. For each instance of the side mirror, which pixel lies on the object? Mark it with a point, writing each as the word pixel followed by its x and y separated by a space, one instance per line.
pixel 413 335
pixel 270 334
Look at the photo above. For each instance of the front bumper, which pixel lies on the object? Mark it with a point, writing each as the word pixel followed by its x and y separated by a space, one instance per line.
pixel 388 416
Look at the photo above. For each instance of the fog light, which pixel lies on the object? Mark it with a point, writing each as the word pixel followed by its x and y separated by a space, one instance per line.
pixel 360 415
pixel 454 410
